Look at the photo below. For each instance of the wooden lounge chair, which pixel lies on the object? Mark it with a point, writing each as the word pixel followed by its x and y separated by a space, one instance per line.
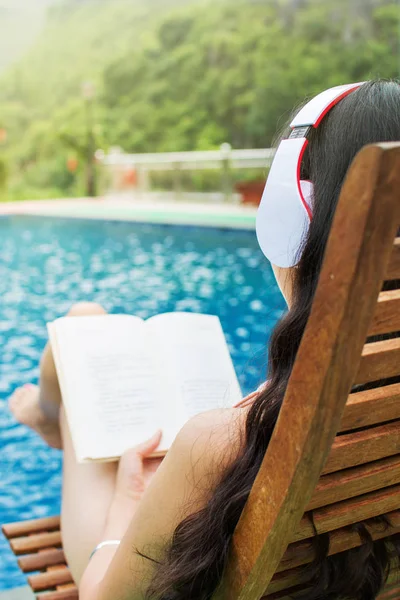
pixel 334 458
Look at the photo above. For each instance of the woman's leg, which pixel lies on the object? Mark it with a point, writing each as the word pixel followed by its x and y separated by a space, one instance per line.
pixel 49 388
pixel 38 407
pixel 87 488
pixel 87 492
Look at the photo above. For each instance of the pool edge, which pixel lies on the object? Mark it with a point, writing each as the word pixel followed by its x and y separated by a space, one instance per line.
pixel 171 213
pixel 18 593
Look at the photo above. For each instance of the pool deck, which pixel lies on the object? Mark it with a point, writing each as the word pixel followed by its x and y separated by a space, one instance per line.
pixel 151 210
pixel 20 593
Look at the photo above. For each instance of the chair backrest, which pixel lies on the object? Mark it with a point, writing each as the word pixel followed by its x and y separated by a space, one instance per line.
pixel 361 467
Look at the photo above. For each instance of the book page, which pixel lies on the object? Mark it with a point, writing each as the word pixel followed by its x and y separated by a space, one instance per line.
pixel 111 384
pixel 197 358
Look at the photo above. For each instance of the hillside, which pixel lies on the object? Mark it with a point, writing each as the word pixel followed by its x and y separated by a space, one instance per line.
pixel 20 23
pixel 79 38
pixel 41 92
pixel 179 75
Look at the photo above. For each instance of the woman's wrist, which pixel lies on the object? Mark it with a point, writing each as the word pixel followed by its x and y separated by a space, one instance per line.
pixel 104 544
pixel 120 513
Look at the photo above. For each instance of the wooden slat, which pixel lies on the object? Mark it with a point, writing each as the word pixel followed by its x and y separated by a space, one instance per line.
pixel 355 482
pixel 32 543
pixel 393 594
pixel 22 528
pixel 299 576
pixel 387 313
pixel 304 530
pixel 302 553
pixel 393 269
pixel 355 510
pixel 358 250
pixel 371 407
pixel 50 579
pixel 291 594
pixel 359 447
pixel 287 579
pixel 394 579
pixel 66 586
pixel 299 591
pixel 379 360
pixel 41 560
pixel 71 594
pixel 351 511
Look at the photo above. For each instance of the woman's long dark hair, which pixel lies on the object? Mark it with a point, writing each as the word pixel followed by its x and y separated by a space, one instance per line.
pixel 194 562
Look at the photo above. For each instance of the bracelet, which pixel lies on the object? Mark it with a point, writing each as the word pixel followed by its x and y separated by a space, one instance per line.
pixel 103 544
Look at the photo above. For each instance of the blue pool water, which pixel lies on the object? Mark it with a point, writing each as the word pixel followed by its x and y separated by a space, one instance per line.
pixel 48 264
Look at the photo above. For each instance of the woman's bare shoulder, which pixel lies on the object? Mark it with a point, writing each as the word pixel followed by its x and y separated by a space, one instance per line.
pixel 206 445
pixel 212 438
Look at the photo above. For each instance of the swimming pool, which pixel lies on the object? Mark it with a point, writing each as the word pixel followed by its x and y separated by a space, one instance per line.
pixel 47 264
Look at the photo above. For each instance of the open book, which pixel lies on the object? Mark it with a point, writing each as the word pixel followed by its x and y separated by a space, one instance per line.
pixel 122 378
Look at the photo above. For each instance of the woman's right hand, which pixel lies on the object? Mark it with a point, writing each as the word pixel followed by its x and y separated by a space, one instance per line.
pixel 135 470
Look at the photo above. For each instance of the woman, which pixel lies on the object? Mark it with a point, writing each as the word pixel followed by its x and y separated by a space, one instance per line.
pixel 169 539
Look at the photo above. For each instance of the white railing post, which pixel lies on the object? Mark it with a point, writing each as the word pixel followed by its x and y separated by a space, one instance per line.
pixel 177 178
pixel 143 180
pixel 225 160
pixel 226 179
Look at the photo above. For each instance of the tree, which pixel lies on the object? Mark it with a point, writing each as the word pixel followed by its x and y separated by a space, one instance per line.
pixel 182 75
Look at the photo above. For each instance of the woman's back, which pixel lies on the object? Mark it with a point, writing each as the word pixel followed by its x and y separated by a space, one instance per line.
pixel 195 560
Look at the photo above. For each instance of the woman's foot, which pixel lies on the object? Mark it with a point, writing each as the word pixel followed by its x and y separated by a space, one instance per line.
pixel 25 406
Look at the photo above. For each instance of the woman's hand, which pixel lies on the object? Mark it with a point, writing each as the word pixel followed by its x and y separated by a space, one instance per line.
pixel 135 470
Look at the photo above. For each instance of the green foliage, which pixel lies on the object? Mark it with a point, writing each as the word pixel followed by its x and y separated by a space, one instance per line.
pixel 3 177
pixel 20 23
pixel 176 75
pixel 203 181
